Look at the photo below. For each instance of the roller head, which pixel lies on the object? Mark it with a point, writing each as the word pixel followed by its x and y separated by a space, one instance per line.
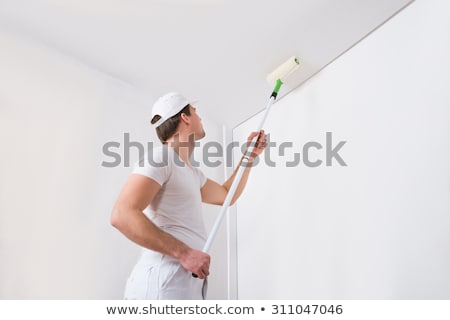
pixel 283 71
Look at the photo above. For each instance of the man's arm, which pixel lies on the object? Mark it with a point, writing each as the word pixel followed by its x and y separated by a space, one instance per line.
pixel 128 217
pixel 214 193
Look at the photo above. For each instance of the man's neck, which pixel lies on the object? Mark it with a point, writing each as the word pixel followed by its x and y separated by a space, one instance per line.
pixel 183 146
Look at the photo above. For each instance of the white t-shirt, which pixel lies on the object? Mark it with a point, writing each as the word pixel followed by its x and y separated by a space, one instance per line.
pixel 177 207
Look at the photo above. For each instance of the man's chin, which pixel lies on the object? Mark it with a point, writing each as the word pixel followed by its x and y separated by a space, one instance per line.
pixel 201 137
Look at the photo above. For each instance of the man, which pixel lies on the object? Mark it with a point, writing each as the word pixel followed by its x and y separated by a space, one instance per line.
pixel 159 208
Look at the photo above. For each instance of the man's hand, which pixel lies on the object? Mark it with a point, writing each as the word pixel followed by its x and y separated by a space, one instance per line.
pixel 260 144
pixel 196 262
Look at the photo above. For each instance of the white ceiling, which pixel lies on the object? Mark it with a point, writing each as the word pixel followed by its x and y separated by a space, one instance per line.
pixel 216 51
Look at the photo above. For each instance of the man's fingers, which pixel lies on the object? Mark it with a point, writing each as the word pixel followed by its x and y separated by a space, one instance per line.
pixel 203 269
pixel 202 274
pixel 197 262
pixel 261 142
pixel 255 133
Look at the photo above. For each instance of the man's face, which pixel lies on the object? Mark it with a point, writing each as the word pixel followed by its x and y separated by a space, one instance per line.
pixel 197 126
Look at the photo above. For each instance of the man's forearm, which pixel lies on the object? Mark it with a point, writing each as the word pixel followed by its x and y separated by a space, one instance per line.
pixel 244 178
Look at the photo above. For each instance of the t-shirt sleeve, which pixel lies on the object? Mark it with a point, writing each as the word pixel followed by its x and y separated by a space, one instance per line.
pixel 157 171
pixel 202 177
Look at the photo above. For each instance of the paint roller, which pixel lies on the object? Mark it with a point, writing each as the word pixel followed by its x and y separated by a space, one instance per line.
pixel 275 78
pixel 283 71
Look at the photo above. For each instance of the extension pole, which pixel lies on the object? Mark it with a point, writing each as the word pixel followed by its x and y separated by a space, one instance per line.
pixel 275 78
pixel 240 171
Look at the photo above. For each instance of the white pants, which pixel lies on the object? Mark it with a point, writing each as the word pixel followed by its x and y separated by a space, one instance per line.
pixel 159 277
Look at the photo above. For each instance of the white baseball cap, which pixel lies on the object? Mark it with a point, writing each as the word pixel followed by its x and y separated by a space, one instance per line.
pixel 169 105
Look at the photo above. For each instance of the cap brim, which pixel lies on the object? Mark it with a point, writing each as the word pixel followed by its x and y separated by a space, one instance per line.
pixel 161 121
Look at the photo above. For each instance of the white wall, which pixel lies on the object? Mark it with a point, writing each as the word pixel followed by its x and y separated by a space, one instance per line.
pixel 377 228
pixel 55 196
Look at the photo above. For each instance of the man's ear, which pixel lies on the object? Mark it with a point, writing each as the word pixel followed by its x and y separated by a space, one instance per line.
pixel 185 118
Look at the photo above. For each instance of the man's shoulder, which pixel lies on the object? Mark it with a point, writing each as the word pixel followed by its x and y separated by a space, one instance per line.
pixel 159 156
